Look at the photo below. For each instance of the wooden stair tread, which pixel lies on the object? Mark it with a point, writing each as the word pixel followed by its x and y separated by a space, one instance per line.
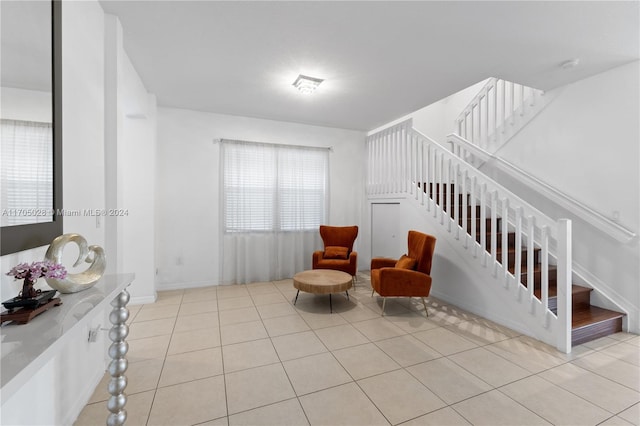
pixel 590 315
pixel 553 291
pixel 512 248
pixel 537 268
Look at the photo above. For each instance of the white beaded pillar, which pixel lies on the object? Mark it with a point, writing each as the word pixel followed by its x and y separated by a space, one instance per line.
pixel 118 366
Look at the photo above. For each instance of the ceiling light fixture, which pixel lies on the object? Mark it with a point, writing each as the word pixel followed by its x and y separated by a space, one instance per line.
pixel 307 85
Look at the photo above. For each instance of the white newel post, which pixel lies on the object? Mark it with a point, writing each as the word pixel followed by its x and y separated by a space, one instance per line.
pixel 564 285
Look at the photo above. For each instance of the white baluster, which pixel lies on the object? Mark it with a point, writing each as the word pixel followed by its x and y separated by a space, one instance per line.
pixel 518 243
pixel 389 163
pixel 486 100
pixel 421 171
pixel 414 167
pixel 505 238
pixel 398 149
pixel 494 232
pixel 480 142
pixel 544 239
pixel 373 170
pixel 564 285
pixel 530 239
pixel 456 200
pixel 474 229
pixel 392 161
pixel 425 146
pixel 483 223
pixel 504 104
pixel 465 207
pixel 405 162
pixel 513 102
pixel 381 164
pixel 495 109
pixel 440 187
pixel 473 133
pixel 378 156
pixel 448 192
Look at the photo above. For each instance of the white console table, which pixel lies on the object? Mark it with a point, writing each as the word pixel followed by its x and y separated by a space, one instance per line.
pixel 26 348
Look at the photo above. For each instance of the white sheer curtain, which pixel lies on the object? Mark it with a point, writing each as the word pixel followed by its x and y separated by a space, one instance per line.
pixel 26 177
pixel 274 199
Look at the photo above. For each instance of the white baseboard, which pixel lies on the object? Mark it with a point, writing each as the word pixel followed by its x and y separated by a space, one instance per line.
pixel 142 300
pixel 182 286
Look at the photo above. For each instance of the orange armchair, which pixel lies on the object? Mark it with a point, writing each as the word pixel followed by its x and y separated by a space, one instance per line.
pixel 408 276
pixel 338 251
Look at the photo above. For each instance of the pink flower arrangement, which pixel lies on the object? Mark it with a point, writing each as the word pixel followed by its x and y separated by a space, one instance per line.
pixel 35 270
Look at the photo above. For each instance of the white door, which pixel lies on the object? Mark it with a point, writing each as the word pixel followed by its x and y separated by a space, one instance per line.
pixel 386 238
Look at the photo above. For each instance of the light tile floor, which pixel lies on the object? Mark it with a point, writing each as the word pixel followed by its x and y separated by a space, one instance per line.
pixel 244 355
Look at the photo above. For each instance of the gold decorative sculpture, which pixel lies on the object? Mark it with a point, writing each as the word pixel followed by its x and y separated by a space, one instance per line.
pixel 83 280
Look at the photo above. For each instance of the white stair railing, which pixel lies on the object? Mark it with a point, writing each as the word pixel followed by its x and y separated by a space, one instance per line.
pixel 497 112
pixel 467 203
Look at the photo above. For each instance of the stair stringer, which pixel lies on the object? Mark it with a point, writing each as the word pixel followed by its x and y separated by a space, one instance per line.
pixel 462 279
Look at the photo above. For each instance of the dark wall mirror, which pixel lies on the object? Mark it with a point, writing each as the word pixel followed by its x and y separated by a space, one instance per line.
pixel 30 124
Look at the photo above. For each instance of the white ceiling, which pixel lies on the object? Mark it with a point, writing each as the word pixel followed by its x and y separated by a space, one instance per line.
pixel 380 60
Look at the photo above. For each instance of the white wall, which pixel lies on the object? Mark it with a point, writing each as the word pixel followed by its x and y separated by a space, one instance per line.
pixel 137 163
pixel 438 119
pixel 130 154
pixel 585 143
pixel 28 105
pixel 188 201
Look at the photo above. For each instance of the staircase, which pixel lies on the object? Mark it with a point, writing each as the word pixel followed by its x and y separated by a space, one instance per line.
pixel 524 252
pixel 588 322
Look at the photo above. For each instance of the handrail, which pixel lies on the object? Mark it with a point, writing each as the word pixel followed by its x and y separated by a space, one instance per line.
pixel 471 206
pixel 462 147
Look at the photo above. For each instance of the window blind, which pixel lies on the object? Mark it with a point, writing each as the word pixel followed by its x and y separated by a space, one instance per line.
pixel 273 187
pixel 27 171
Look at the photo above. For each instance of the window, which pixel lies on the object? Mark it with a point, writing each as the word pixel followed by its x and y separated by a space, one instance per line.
pixel 269 188
pixel 27 172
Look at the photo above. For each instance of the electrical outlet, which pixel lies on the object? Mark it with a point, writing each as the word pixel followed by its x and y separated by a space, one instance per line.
pixel 93 333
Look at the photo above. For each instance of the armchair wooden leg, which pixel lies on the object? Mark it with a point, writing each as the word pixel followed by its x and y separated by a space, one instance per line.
pixel 384 300
pixel 425 306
